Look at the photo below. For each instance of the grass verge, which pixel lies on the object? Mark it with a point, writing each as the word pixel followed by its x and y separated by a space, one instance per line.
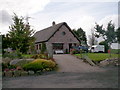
pixel 98 56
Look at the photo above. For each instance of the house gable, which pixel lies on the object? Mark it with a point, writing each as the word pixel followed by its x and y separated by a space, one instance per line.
pixel 63 35
pixel 46 34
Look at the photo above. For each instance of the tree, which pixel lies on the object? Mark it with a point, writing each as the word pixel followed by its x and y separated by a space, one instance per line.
pixel 118 34
pixel 6 41
pixel 0 43
pixel 20 34
pixel 109 35
pixel 81 35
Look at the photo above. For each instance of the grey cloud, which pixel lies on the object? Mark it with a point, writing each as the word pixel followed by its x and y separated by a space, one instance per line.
pixel 5 17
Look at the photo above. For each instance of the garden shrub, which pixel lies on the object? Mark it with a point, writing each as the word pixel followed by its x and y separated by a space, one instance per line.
pixel 73 51
pixel 12 55
pixel 11 66
pixel 40 56
pixel 4 65
pixel 7 66
pixel 39 64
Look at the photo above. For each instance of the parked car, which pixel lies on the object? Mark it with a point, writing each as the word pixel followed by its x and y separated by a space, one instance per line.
pixel 78 48
pixel 58 52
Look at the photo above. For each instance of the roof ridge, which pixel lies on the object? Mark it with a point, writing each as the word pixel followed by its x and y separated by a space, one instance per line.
pixel 50 27
pixel 46 33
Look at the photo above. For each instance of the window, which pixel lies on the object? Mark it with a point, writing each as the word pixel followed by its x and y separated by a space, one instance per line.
pixel 57 46
pixel 63 33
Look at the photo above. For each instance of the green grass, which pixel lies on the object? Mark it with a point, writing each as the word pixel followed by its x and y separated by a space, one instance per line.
pixel 115 51
pixel 98 56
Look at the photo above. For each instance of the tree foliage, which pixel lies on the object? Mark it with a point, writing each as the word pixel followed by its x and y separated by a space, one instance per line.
pixel 118 34
pixel 6 41
pixel 20 34
pixel 105 44
pixel 109 34
pixel 81 35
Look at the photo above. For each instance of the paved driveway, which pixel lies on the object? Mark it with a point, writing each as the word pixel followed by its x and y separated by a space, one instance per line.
pixel 69 63
pixel 73 73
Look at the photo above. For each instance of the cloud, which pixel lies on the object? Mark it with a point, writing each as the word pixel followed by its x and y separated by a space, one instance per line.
pixel 5 17
pixel 85 0
pixel 5 21
pixel 86 23
pixel 107 19
pixel 23 7
pixel 42 14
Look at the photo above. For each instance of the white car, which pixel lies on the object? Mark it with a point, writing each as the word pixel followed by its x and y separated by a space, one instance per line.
pixel 59 52
pixel 97 48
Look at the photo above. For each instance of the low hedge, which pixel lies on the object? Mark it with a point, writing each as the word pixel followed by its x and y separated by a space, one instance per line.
pixel 39 64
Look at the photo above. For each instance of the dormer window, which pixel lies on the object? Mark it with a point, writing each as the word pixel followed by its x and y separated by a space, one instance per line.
pixel 63 33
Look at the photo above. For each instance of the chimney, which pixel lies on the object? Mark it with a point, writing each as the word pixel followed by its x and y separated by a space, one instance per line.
pixel 53 23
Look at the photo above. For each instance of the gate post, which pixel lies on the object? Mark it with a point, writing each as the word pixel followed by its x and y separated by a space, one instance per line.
pixel 49 49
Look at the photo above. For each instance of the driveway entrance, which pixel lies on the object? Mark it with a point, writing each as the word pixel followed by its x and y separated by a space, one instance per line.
pixel 69 63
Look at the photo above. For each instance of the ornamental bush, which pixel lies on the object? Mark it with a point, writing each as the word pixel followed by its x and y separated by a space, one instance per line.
pixel 39 64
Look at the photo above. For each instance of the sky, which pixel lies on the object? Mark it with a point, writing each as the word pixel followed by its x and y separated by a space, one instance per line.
pixel 76 13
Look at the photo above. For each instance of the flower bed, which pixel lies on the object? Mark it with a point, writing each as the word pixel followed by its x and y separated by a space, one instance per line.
pixel 36 66
pixel 24 67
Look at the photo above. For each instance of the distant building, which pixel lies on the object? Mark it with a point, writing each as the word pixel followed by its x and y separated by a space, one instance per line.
pixel 115 46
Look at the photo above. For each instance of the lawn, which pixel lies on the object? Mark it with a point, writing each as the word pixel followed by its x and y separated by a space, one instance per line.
pixel 98 56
